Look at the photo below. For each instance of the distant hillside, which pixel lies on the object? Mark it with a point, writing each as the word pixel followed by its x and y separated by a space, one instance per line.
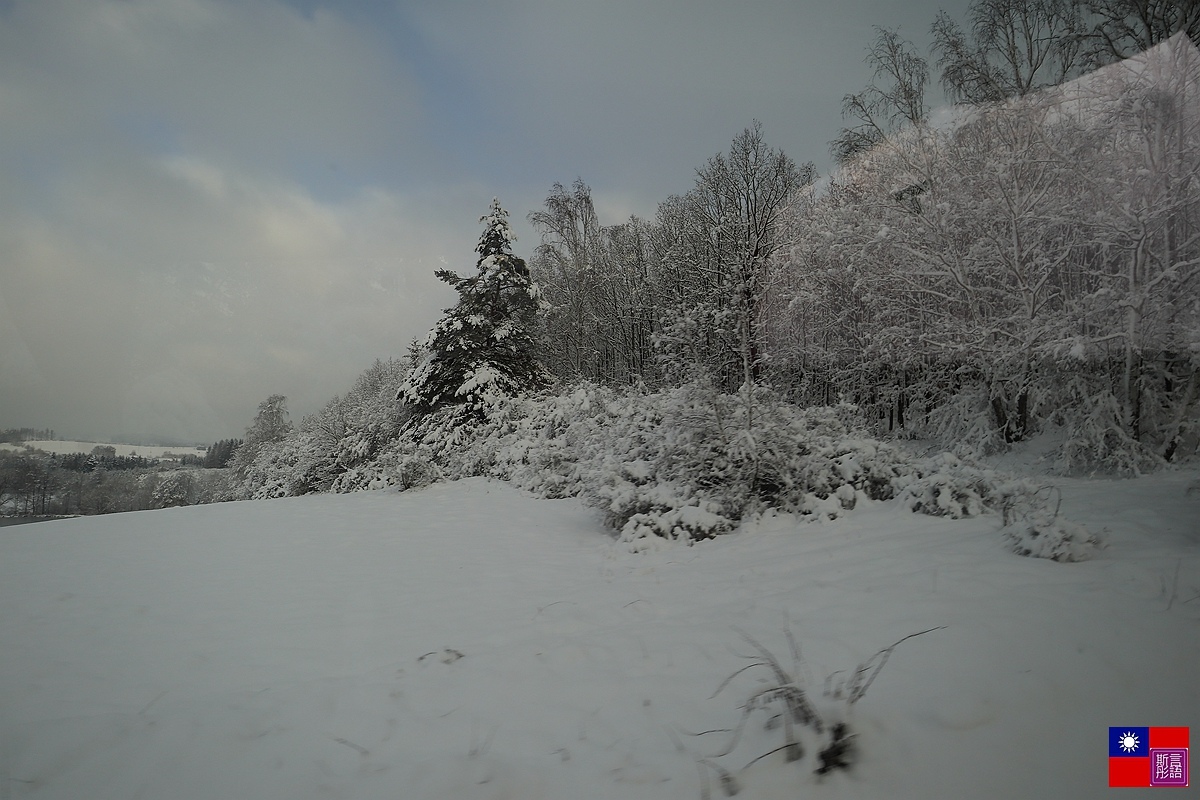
pixel 68 447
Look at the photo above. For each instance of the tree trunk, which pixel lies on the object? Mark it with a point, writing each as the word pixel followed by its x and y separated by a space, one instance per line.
pixel 1175 431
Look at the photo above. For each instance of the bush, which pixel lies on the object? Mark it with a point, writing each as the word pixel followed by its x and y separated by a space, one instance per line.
pixel 1033 527
pixel 681 464
pixel 1097 442
pixel 964 424
pixel 946 486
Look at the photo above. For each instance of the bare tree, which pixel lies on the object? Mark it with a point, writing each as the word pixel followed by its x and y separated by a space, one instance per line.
pixel 739 200
pixel 597 281
pixel 1012 48
pixel 1123 28
pixel 564 266
pixel 894 99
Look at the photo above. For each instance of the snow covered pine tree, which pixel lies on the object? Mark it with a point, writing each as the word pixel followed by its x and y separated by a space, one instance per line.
pixel 483 349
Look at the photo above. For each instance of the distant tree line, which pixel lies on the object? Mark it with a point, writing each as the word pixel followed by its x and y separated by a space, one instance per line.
pixel 34 483
pixel 39 484
pixel 102 482
pixel 102 457
pixel 216 456
pixel 18 435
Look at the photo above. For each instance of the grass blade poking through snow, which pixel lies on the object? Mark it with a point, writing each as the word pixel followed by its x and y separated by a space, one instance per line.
pixel 788 699
pixel 861 679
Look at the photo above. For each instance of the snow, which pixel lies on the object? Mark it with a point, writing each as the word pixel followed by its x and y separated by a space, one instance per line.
pixel 470 641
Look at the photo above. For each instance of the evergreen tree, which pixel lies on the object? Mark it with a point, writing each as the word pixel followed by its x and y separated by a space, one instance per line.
pixel 219 453
pixel 484 349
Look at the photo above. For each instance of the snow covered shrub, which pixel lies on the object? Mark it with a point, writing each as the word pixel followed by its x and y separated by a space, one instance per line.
pixel 682 464
pixel 691 462
pixel 555 444
pixel 842 464
pixel 456 442
pixel 210 485
pixel 660 513
pixel 414 470
pixel 1033 527
pixel 1046 535
pixel 351 430
pixel 946 486
pixel 677 465
pixel 460 441
pixel 686 463
pixel 677 469
pixel 1095 440
pixel 964 423
pixel 401 467
pixel 274 471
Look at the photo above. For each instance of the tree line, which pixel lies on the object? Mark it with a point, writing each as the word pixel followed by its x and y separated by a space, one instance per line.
pixel 18 435
pixel 1030 261
pixel 36 484
pixel 1027 262
pixel 216 456
pixel 101 482
pixel 684 461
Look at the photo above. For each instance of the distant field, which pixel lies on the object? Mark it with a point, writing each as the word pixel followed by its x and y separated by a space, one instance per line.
pixel 67 447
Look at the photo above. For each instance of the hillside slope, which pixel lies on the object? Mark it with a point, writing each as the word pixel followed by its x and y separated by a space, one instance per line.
pixel 469 641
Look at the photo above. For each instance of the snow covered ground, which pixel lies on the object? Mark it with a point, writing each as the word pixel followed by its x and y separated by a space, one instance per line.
pixel 65 447
pixel 469 641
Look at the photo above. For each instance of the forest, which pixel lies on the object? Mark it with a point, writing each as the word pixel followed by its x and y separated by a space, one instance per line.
pixel 1023 263
pixel 34 483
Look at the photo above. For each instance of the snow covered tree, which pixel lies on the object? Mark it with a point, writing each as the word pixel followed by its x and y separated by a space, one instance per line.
pixel 721 237
pixel 1032 262
pixel 597 282
pixel 350 429
pixel 172 489
pixel 485 348
pixel 1140 310
pixel 271 425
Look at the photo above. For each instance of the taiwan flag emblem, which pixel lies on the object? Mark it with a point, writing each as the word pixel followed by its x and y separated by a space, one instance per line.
pixel 1141 756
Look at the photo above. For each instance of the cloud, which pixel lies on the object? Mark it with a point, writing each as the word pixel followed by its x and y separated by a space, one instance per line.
pixel 181 268
pixel 205 202
pixel 634 96
pixel 160 248
pixel 244 82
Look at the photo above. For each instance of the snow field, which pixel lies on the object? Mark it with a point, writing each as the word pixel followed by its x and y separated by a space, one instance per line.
pixel 470 641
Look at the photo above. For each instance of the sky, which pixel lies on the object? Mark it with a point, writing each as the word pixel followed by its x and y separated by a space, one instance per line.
pixel 207 202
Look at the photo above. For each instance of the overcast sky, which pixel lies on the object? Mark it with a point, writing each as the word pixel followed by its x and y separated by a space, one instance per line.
pixel 205 202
